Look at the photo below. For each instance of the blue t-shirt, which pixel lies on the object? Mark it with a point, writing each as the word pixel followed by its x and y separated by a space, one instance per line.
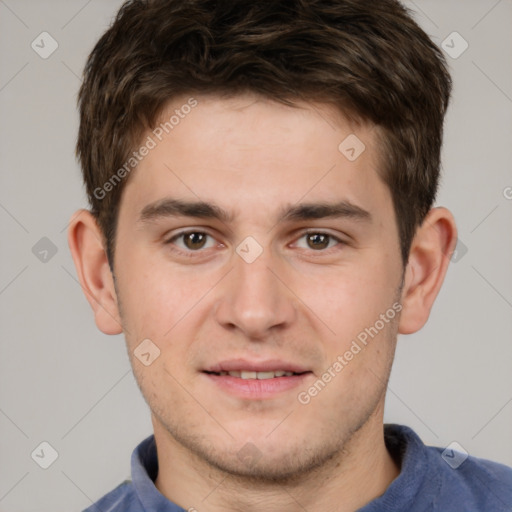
pixel 431 479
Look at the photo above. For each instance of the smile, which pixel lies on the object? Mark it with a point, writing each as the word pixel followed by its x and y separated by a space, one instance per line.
pixel 246 374
pixel 258 382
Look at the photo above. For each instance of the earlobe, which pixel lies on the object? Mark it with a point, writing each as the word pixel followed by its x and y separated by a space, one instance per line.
pixel 86 244
pixel 429 258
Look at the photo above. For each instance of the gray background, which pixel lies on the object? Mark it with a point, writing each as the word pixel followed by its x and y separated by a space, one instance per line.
pixel 64 382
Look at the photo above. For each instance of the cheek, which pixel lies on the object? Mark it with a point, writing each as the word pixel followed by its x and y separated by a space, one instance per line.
pixel 156 297
pixel 348 299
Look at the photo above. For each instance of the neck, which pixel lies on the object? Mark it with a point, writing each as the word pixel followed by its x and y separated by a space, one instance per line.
pixel 359 473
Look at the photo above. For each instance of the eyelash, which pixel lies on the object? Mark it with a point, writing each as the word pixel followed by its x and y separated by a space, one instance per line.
pixel 190 253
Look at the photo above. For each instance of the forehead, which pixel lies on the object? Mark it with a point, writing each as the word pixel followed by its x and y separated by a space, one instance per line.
pixel 249 154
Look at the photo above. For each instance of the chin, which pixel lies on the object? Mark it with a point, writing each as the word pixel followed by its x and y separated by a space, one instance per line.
pixel 282 460
pixel 288 466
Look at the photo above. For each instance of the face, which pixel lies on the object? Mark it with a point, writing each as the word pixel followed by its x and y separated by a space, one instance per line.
pixel 263 264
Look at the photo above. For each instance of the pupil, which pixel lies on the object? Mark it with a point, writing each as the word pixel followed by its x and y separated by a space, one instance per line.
pixel 318 240
pixel 195 240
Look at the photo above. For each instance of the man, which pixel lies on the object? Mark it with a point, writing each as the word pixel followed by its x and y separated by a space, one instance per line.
pixel 261 178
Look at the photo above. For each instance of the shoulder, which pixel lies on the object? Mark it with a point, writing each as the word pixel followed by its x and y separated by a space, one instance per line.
pixel 122 499
pixel 483 484
pixel 443 479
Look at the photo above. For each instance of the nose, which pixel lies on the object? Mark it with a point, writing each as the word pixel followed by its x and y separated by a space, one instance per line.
pixel 254 298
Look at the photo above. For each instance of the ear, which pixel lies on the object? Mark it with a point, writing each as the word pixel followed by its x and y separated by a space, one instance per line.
pixel 85 241
pixel 429 258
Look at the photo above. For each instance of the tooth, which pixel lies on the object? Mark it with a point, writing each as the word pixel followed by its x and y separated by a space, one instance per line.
pixel 265 375
pixel 246 374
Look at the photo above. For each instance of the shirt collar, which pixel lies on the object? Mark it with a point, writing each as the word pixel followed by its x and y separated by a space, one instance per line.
pixel 402 442
pixel 144 472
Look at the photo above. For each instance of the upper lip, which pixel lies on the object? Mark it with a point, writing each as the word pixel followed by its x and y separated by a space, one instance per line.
pixel 271 365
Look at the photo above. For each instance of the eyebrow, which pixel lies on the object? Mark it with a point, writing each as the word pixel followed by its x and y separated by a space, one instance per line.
pixel 170 207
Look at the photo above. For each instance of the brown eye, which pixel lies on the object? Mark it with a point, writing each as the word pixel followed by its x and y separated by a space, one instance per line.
pixel 194 240
pixel 317 241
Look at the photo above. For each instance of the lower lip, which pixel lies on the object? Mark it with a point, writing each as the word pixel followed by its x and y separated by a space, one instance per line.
pixel 256 388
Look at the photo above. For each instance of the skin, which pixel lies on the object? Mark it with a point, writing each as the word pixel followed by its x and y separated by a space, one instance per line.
pixel 298 302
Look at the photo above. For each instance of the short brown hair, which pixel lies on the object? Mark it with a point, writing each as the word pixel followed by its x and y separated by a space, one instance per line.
pixel 370 59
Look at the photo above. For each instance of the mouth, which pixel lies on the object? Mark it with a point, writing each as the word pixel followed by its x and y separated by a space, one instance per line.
pixel 252 375
pixel 256 380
